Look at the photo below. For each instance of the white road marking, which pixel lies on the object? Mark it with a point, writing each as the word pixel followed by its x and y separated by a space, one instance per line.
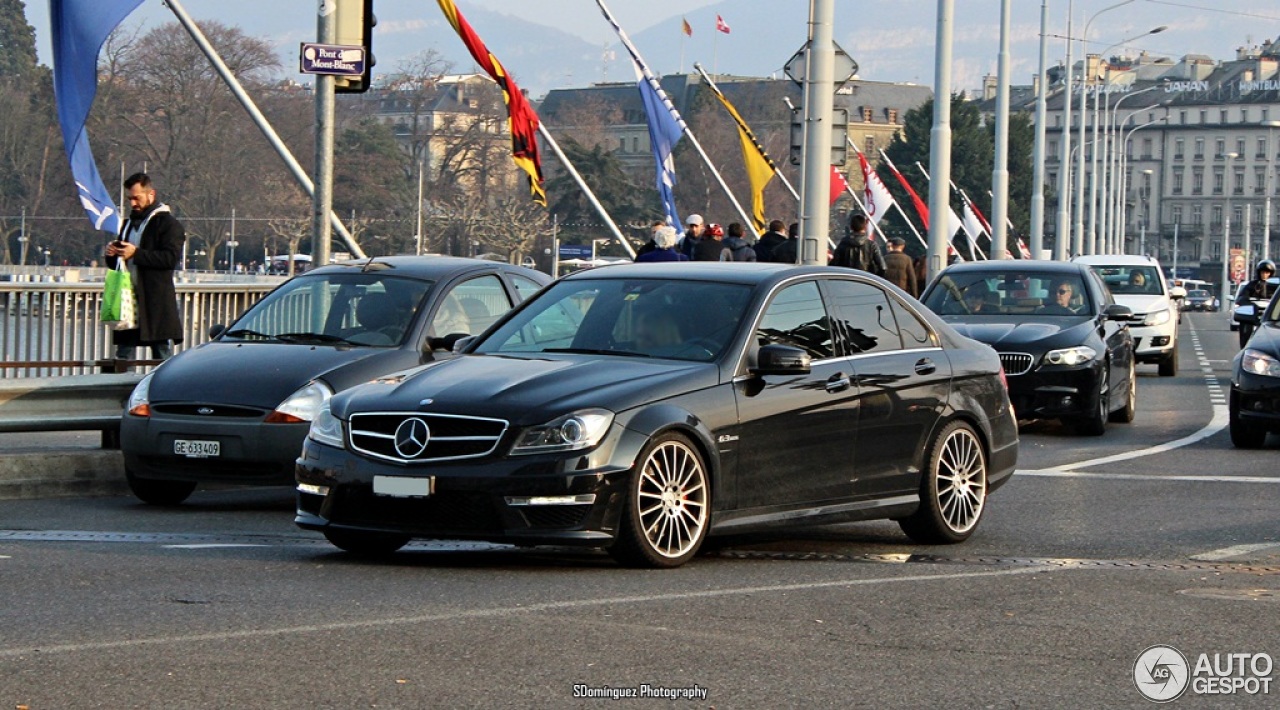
pixel 1066 473
pixel 210 545
pixel 499 612
pixel 1234 551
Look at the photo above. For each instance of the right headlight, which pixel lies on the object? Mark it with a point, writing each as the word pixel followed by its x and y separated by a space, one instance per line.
pixel 1259 363
pixel 326 428
pixel 139 404
pixel 1070 356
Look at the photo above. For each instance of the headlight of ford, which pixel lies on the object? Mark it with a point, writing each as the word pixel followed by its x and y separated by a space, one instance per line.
pixel 301 406
pixel 139 404
pixel 326 428
pixel 1070 356
pixel 572 432
pixel 1259 363
pixel 1157 318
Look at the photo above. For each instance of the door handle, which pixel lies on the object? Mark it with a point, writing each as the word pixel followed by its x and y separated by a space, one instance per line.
pixel 838 382
pixel 925 366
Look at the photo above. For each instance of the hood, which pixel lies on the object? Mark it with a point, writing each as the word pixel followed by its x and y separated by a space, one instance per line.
pixel 1143 303
pixel 1017 333
pixel 529 390
pixel 1267 339
pixel 262 374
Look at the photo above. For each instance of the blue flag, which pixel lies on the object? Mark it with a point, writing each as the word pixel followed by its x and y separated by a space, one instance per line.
pixel 79 29
pixel 664 133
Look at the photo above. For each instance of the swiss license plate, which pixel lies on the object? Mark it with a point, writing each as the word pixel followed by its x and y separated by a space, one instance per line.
pixel 196 449
pixel 403 486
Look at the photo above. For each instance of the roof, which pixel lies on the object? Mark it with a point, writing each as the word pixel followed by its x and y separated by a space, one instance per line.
pixel 1019 265
pixel 1117 260
pixel 426 267
pixel 749 273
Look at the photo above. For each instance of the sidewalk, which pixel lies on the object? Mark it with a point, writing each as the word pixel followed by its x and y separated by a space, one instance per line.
pixel 53 464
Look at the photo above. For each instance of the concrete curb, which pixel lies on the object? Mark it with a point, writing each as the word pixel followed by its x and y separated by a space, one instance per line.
pixel 62 474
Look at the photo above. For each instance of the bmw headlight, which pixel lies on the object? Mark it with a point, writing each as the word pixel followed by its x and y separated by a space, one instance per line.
pixel 1157 317
pixel 139 404
pixel 1070 356
pixel 301 406
pixel 326 428
pixel 1259 363
pixel 579 430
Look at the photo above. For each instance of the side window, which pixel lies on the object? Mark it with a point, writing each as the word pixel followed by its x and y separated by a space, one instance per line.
pixel 915 334
pixel 796 317
pixel 471 307
pixel 864 319
pixel 525 287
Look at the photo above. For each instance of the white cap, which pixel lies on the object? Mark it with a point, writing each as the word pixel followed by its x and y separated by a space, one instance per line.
pixel 694 219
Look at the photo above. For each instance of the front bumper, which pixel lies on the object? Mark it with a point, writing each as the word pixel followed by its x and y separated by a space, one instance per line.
pixel 251 451
pixel 483 499
pixel 1154 343
pixel 1056 392
pixel 1256 399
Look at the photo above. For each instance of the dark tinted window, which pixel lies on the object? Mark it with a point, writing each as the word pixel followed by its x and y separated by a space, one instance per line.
pixel 915 334
pixel 864 319
pixel 797 317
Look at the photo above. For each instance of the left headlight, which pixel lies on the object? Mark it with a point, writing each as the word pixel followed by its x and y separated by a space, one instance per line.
pixel 1157 317
pixel 1070 356
pixel 301 406
pixel 139 404
pixel 326 428
pixel 1259 363
pixel 579 430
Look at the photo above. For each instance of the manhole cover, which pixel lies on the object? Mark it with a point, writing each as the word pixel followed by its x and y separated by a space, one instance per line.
pixel 1261 595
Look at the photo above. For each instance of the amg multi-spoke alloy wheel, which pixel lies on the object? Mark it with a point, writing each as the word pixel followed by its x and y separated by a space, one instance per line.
pixel 954 489
pixel 668 506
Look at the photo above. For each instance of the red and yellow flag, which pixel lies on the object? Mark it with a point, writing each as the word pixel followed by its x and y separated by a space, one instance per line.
pixel 523 120
pixel 686 27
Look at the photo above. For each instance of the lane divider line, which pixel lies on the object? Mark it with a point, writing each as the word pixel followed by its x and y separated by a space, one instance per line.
pixel 1233 551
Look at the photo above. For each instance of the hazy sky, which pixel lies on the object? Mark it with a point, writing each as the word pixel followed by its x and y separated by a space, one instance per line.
pixel 892 41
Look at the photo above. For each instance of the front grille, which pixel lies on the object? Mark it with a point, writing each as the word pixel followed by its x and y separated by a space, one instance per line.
pixel 449 437
pixel 209 410
pixel 555 516
pixel 1016 363
pixel 448 512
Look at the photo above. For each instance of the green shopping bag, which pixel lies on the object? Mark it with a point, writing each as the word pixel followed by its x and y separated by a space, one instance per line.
pixel 119 302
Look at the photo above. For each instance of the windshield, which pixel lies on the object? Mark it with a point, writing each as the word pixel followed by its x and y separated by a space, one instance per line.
pixel 1011 293
pixel 680 320
pixel 1137 279
pixel 373 309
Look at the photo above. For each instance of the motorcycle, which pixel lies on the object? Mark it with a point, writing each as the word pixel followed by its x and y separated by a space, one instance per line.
pixel 1248 316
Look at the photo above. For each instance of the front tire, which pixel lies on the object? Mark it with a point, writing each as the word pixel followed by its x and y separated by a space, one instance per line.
pixel 1246 332
pixel 668 506
pixel 1095 424
pixel 953 493
pixel 366 544
pixel 1243 434
pixel 1169 365
pixel 156 492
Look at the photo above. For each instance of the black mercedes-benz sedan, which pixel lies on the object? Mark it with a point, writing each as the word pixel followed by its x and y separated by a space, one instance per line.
pixel 1064 342
pixel 641 407
pixel 236 409
pixel 1254 408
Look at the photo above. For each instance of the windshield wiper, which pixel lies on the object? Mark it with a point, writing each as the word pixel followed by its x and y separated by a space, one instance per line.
pixel 596 351
pixel 314 337
pixel 243 332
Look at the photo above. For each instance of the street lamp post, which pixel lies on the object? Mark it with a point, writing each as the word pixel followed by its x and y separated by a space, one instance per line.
pixel 1226 228
pixel 1145 193
pixel 1111 163
pixel 1124 177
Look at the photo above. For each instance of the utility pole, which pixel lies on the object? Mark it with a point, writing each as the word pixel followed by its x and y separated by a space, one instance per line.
pixel 940 136
pixel 819 87
pixel 322 204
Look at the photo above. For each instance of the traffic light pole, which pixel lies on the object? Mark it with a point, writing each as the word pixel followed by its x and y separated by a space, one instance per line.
pixel 322 202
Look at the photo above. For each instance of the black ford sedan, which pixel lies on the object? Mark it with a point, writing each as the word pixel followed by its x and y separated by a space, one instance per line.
pixel 1064 342
pixel 642 407
pixel 237 408
pixel 1254 408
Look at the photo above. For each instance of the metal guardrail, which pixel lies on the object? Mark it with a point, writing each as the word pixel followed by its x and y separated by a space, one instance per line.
pixel 51 329
pixel 72 403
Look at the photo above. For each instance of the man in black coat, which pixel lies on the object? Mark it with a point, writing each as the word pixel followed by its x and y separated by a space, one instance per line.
pixel 151 244
pixel 770 241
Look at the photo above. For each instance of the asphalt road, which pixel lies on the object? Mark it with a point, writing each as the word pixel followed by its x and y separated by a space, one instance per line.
pixel 1158 532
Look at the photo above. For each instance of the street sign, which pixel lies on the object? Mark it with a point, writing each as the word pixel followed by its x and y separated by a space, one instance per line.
pixel 845 67
pixel 335 59
pixel 839 135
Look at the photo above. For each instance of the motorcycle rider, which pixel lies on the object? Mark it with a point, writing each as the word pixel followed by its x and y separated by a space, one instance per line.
pixel 1259 289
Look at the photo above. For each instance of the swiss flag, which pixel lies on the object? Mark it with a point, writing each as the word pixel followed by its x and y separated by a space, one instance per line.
pixel 721 25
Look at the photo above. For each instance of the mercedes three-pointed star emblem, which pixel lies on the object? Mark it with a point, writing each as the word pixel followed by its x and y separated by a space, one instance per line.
pixel 411 437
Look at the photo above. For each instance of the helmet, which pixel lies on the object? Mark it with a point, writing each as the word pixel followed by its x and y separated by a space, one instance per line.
pixel 1265 265
pixel 715 230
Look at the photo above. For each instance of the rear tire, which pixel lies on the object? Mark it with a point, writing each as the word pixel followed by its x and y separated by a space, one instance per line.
pixel 366 544
pixel 1125 414
pixel 157 492
pixel 953 493
pixel 668 507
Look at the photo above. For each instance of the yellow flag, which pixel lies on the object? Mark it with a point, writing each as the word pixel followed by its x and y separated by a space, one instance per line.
pixel 760 169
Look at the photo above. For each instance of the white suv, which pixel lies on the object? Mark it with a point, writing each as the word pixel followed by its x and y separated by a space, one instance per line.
pixel 1138 282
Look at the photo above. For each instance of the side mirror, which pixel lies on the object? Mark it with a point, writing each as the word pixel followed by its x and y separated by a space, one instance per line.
pixel 775 359
pixel 1177 292
pixel 215 330
pixel 1118 312
pixel 449 343
pixel 1246 314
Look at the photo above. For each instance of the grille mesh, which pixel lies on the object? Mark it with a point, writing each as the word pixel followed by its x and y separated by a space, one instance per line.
pixel 1016 363
pixel 451 437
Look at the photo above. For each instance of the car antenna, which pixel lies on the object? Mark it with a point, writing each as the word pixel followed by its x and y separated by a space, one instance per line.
pixel 368 265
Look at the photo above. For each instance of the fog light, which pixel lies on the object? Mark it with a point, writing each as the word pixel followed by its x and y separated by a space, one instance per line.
pixel 1259 406
pixel 313 489
pixel 1160 340
pixel 1068 401
pixel 583 499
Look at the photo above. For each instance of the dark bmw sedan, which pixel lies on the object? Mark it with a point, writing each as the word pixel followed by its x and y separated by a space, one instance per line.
pixel 1254 409
pixel 1064 342
pixel 641 407
pixel 236 409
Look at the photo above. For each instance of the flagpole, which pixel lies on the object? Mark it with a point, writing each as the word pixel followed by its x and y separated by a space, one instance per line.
pixel 653 81
pixel 972 243
pixel 299 174
pixel 776 170
pixel 591 196
pixel 903 212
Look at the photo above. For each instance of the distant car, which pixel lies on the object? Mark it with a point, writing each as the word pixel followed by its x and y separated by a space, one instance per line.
pixel 236 409
pixel 1139 283
pixel 1200 300
pixel 1063 341
pixel 642 407
pixel 1254 408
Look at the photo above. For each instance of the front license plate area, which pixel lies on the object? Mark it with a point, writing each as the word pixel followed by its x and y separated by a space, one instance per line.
pixel 403 486
pixel 196 449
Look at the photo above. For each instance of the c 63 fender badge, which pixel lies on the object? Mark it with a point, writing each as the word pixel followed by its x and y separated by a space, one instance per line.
pixel 726 438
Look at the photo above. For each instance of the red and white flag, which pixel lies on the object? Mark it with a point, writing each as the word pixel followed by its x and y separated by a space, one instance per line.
pixel 1023 250
pixel 972 223
pixel 721 25
pixel 838 184
pixel 686 27
pixel 877 195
